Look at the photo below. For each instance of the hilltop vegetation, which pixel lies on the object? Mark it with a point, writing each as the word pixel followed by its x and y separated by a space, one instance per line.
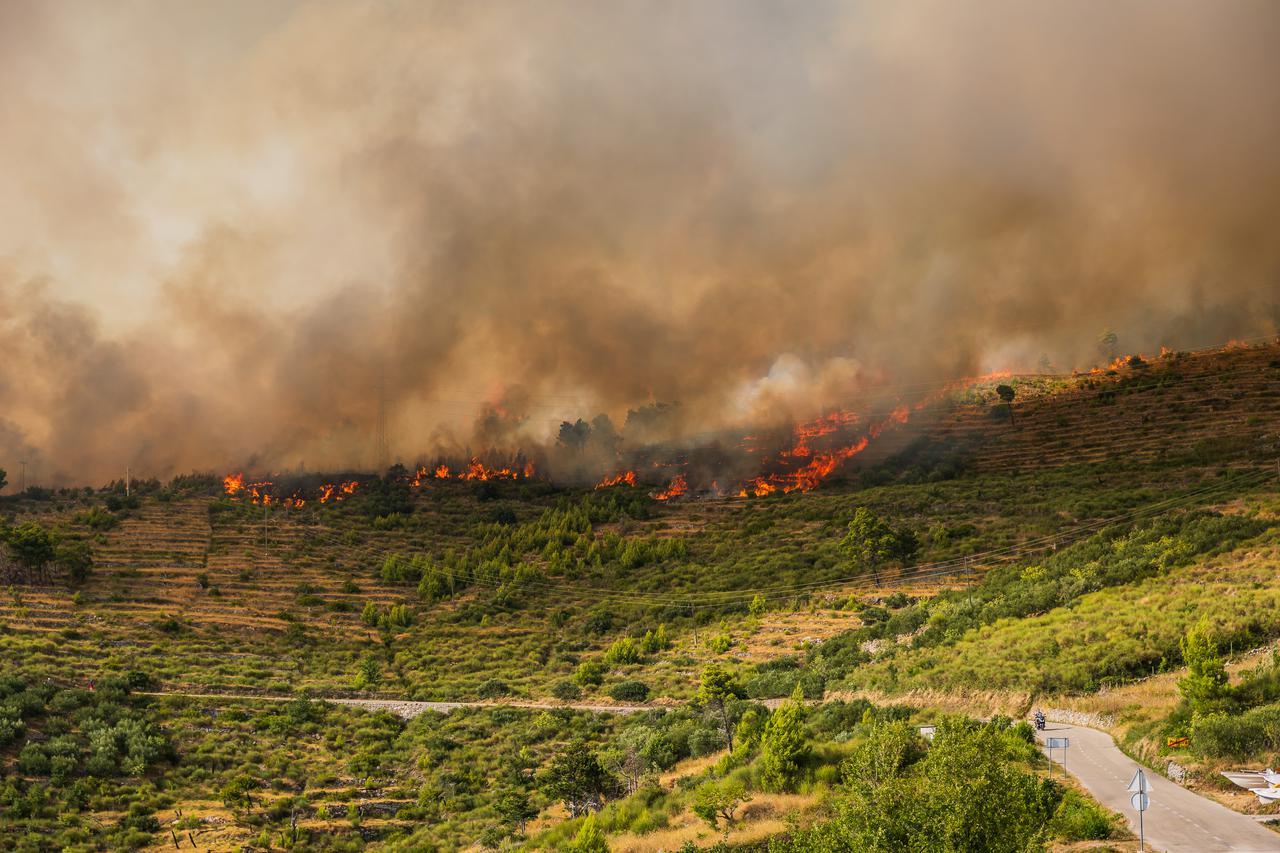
pixel 1069 547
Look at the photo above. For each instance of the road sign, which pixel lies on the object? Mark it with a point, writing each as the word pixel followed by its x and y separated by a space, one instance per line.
pixel 1057 743
pixel 1140 800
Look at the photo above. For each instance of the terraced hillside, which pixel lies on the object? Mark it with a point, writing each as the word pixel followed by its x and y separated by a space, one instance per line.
pixel 195 578
pixel 1178 409
pixel 1107 497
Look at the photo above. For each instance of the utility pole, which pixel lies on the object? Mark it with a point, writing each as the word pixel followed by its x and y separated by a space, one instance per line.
pixel 22 480
pixel 127 480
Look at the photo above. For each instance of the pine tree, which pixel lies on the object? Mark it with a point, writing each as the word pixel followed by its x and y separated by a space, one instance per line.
pixel 870 542
pixel 785 747
pixel 590 838
pixel 370 674
pixel 718 690
pixel 1206 679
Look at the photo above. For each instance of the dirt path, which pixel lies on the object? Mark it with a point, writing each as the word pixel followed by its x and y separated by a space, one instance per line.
pixel 1177 821
pixel 408 710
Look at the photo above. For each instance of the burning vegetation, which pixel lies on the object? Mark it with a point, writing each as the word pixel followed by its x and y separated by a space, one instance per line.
pixel 797 459
pixel 259 493
pixel 728 464
pixel 626 478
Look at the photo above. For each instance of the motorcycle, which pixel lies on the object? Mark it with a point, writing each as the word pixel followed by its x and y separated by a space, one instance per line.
pixel 1039 718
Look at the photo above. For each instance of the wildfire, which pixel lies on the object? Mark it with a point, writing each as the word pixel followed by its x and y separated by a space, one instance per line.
pixel 442 472
pixel 627 478
pixel 816 429
pixel 674 489
pixel 820 464
pixel 258 494
pixel 236 488
pixel 477 470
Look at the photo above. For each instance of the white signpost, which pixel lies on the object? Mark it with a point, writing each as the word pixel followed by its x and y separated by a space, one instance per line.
pixel 1140 802
pixel 1058 743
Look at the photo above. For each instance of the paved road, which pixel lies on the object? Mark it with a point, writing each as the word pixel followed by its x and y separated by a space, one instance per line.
pixel 1177 821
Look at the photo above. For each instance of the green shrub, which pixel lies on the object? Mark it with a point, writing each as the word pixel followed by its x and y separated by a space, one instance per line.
pixel 590 673
pixel 623 651
pixel 629 691
pixel 720 643
pixel 1240 736
pixel 566 691
pixel 1079 819
pixel 492 689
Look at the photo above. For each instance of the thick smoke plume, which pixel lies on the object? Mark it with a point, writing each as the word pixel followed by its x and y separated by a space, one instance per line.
pixel 243 234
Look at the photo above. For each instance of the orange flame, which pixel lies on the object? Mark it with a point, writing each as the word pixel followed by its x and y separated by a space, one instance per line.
pixel 442 472
pixel 821 464
pixel 627 478
pixel 674 489
pixel 815 429
pixel 477 470
pixel 233 483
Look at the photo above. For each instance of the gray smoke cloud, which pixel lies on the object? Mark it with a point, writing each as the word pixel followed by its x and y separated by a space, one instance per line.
pixel 235 232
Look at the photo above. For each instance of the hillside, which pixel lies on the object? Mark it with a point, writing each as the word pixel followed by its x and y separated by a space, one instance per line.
pixel 1067 547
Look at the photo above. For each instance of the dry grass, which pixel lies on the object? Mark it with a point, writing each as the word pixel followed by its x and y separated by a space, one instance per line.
pixel 976 703
pixel 763 817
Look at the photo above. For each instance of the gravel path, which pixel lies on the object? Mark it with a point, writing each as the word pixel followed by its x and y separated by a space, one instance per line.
pixel 408 710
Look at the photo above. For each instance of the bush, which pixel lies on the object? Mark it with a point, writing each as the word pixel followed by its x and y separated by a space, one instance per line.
pixel 566 691
pixel 721 643
pixel 1078 819
pixel 1242 736
pixel 629 691
pixel 590 673
pixel 623 651
pixel 493 689
pixel 33 761
pixel 704 741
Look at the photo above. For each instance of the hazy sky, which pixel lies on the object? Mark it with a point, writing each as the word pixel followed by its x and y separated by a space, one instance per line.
pixel 226 224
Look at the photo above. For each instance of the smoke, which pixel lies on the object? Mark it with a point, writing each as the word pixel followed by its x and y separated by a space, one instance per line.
pixel 237 232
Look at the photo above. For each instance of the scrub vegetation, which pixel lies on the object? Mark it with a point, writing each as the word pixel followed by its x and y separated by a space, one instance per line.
pixel 1015 552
